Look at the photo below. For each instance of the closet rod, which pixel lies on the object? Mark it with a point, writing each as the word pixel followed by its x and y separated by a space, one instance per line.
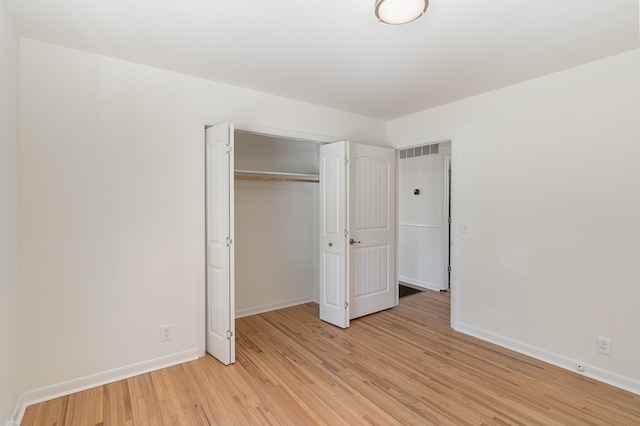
pixel 285 179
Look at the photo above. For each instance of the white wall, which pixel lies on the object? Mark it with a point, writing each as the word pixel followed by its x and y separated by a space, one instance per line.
pixel 255 152
pixel 276 244
pixel 546 176
pixel 9 215
pixel 113 206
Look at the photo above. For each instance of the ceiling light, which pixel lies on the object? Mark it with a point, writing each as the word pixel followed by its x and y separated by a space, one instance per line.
pixel 400 11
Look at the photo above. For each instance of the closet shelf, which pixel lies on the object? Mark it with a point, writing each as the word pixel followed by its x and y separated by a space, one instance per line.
pixel 277 176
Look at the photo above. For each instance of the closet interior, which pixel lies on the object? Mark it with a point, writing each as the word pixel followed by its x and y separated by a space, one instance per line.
pixel 276 222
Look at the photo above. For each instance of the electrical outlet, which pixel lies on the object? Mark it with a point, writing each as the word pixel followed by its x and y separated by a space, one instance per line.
pixel 166 332
pixel 580 367
pixel 604 345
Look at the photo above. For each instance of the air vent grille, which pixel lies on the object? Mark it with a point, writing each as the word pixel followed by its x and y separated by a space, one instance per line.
pixel 418 151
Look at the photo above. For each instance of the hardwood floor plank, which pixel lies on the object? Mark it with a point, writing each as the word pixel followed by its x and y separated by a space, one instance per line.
pixel 402 366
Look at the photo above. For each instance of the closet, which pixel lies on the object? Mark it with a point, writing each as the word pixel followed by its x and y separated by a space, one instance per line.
pixel 291 221
pixel 276 223
pixel 261 229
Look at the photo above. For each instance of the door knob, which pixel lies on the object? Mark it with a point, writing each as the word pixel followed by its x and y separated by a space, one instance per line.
pixel 352 241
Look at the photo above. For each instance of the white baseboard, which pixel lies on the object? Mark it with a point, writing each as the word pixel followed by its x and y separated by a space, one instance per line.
pixel 91 381
pixel 254 310
pixel 420 283
pixel 561 361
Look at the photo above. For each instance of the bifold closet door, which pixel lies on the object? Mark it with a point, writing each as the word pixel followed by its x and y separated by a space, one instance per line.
pixel 357 231
pixel 220 309
pixel 334 306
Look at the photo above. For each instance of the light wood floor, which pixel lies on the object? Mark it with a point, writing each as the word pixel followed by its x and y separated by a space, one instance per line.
pixel 401 366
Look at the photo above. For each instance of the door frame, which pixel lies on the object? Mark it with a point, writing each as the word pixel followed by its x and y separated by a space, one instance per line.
pixel 446 246
pixel 201 249
pixel 453 194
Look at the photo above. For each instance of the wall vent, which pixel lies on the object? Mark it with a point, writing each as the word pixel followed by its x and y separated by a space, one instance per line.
pixel 418 151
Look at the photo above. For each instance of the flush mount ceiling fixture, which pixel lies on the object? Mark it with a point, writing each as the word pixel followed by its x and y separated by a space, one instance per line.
pixel 397 12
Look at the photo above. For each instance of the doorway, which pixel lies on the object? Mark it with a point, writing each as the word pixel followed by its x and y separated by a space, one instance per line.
pixel 424 216
pixel 276 222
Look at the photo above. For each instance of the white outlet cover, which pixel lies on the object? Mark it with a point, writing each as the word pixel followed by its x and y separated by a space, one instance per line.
pixel 603 345
pixel 166 332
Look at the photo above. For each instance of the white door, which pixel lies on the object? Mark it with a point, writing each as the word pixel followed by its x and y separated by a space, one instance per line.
pixel 220 311
pixel 357 231
pixel 371 224
pixel 333 242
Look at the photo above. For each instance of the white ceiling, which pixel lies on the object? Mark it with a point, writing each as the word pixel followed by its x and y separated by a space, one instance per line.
pixel 334 52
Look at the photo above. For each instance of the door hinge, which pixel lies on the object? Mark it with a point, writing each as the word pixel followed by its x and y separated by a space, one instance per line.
pixel 229 148
pixel 346 161
pixel 449 220
pixel 229 334
pixel 346 233
pixel 346 305
pixel 229 241
pixel 449 268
